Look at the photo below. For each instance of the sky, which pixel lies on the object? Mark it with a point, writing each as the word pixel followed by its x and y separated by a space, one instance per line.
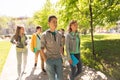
pixel 20 8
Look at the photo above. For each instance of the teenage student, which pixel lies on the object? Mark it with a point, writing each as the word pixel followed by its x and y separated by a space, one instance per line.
pixel 36 46
pixel 51 40
pixel 20 40
pixel 72 41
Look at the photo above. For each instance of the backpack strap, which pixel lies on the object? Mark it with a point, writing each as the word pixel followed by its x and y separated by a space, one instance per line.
pixel 38 36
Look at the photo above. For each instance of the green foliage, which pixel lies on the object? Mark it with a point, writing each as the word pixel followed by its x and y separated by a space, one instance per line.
pixel 105 12
pixel 108 52
pixel 74 9
pixel 41 16
pixel 4 50
pixel 4 21
pixel 29 22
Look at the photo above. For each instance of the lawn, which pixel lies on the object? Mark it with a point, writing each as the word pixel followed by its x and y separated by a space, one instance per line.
pixel 4 50
pixel 107 49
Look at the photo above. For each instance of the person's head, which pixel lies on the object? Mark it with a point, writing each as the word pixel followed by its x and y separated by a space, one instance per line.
pixel 19 31
pixel 73 25
pixel 52 22
pixel 38 29
pixel 62 31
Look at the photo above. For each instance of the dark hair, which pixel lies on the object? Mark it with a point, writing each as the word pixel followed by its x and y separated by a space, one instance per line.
pixel 50 18
pixel 17 33
pixel 38 27
pixel 71 23
pixel 62 29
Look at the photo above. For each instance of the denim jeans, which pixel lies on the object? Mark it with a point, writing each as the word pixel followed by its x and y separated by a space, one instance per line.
pixel 54 69
pixel 76 70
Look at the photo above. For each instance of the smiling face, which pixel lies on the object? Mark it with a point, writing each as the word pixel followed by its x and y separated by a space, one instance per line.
pixel 53 24
pixel 74 27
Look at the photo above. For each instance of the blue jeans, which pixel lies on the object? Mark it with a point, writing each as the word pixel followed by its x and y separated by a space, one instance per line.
pixel 54 69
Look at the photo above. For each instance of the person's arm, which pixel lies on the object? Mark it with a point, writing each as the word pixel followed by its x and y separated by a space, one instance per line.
pixel 67 41
pixel 13 41
pixel 43 54
pixel 26 40
pixel 43 43
pixel 32 43
pixel 61 46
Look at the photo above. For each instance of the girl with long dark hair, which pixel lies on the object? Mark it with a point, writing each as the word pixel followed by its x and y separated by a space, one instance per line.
pixel 20 40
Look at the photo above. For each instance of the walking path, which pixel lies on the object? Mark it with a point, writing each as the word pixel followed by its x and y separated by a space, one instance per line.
pixel 10 70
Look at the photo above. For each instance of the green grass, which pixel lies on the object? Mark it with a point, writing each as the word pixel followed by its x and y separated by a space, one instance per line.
pixel 4 50
pixel 107 49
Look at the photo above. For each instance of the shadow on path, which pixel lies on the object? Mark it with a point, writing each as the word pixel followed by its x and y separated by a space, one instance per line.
pixel 41 76
pixel 44 76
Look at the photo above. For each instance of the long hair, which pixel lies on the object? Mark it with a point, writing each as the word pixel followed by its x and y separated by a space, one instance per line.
pixel 17 33
pixel 70 24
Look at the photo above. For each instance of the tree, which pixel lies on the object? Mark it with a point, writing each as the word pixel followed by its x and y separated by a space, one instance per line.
pixel 4 23
pixel 91 25
pixel 41 16
pixel 90 13
pixel 73 9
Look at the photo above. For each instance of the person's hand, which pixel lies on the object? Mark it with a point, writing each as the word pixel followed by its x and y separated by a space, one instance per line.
pixel 15 42
pixel 70 61
pixel 45 59
pixel 61 50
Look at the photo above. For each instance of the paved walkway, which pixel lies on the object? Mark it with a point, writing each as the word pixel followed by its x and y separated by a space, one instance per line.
pixel 10 71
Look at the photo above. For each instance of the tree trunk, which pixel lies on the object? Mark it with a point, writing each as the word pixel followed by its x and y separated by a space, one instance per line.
pixel 91 25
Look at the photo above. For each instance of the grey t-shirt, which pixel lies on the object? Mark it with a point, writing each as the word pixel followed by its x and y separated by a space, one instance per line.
pixel 52 44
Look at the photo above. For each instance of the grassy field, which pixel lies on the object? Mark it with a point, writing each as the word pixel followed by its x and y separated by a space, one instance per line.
pixel 107 49
pixel 4 50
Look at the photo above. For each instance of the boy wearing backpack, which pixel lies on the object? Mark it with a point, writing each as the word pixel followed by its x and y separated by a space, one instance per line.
pixel 36 46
